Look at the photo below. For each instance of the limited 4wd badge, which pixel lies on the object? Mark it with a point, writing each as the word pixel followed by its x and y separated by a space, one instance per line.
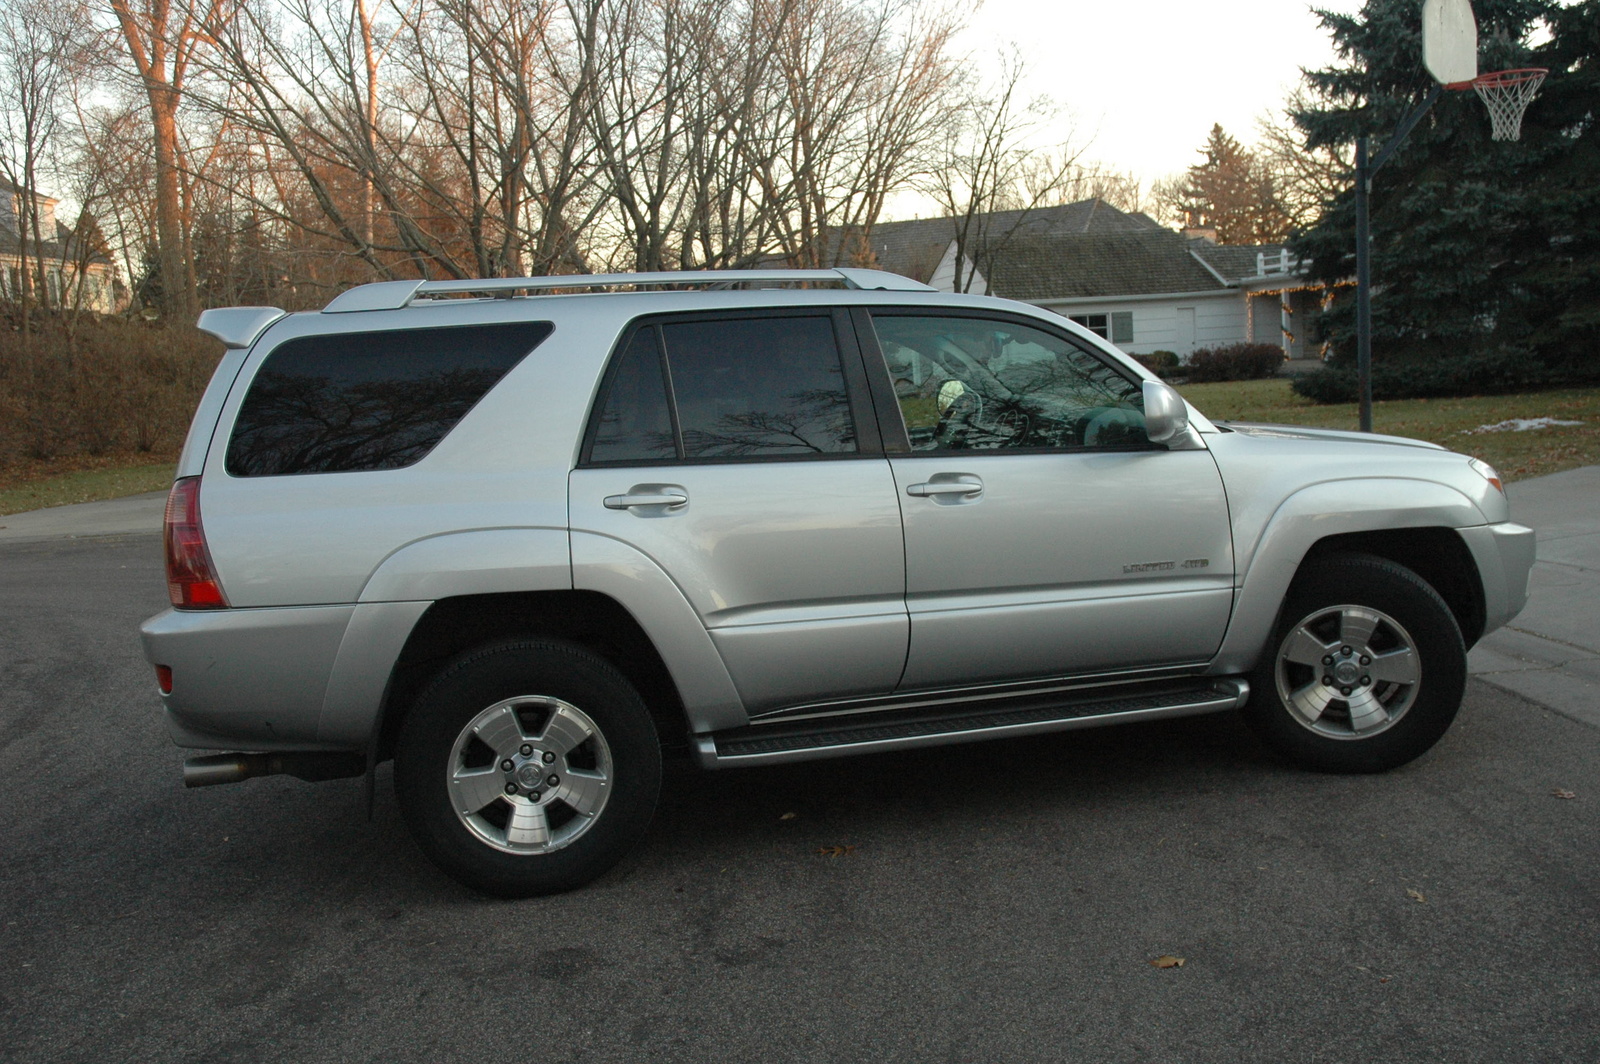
pixel 1161 567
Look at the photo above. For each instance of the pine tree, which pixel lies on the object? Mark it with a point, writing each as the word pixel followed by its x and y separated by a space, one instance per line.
pixel 1479 246
pixel 1232 192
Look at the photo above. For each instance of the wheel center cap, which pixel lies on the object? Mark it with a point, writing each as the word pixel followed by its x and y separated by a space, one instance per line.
pixel 530 775
pixel 1346 672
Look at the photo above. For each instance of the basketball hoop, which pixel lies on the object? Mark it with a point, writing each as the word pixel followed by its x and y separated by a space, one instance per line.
pixel 1507 94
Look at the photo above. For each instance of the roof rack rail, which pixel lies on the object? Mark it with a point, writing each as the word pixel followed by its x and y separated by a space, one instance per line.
pixel 392 295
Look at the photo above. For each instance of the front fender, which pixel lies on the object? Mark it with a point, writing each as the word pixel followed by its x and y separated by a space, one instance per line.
pixel 1331 508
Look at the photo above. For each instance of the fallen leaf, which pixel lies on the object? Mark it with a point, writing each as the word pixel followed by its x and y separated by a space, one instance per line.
pixel 788 816
pixel 1561 792
pixel 1167 960
pixel 1415 895
pixel 1385 979
pixel 835 851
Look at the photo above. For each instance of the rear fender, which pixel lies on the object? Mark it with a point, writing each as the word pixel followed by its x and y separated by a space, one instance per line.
pixel 611 567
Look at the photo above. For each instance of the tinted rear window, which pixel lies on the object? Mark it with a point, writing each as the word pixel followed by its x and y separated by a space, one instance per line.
pixel 369 400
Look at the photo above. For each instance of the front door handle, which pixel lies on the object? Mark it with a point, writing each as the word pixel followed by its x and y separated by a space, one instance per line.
pixel 660 498
pixel 945 487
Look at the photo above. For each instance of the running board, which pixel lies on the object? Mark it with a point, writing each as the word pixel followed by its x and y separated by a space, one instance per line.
pixel 770 744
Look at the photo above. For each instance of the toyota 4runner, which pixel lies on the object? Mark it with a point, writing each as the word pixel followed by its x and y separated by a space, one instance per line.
pixel 522 535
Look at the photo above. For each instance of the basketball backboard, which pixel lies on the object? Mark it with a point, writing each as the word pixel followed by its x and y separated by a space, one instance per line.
pixel 1449 40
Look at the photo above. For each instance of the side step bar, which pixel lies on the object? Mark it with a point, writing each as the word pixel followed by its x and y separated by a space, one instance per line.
pixel 769 744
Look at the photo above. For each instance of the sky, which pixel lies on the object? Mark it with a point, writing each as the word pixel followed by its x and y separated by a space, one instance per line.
pixel 1144 80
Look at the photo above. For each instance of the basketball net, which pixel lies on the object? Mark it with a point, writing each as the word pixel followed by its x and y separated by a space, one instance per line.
pixel 1507 94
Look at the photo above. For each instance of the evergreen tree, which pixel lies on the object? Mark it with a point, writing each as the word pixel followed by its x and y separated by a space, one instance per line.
pixel 1479 246
pixel 1232 192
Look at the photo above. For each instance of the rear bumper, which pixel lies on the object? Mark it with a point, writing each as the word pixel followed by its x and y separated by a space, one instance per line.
pixel 248 679
pixel 1504 553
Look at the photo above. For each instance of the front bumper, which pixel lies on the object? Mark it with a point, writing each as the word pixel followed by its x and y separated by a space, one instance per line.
pixel 1504 553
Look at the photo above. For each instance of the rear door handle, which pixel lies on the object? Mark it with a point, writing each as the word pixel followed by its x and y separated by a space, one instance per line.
pixel 944 487
pixel 661 498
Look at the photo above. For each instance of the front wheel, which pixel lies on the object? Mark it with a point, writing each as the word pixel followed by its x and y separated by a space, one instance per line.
pixel 528 768
pixel 1365 670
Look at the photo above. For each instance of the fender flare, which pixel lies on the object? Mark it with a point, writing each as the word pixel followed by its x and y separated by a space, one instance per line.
pixel 400 590
pixel 631 578
pixel 1311 515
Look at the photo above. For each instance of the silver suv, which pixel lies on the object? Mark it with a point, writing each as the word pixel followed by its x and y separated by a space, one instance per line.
pixel 522 536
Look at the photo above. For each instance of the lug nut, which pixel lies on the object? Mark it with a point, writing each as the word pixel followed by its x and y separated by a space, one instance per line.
pixel 1365 660
pixel 1366 680
pixel 527 749
pixel 1344 690
pixel 507 765
pixel 1327 681
pixel 511 788
pixel 548 757
pixel 554 781
pixel 534 795
pixel 1346 651
pixel 1327 659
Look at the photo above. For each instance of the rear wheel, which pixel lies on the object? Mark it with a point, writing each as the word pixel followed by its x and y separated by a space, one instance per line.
pixel 1365 670
pixel 528 768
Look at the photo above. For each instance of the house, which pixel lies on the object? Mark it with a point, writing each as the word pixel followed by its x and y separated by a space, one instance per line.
pixel 1140 285
pixel 77 273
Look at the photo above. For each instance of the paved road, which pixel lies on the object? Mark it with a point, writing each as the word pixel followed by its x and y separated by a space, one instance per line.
pixel 1002 901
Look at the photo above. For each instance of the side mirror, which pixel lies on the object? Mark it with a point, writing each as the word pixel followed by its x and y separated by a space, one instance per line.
pixel 1166 415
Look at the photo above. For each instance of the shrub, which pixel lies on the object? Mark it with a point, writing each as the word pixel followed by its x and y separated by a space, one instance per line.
pixel 1488 373
pixel 1161 363
pixel 97 385
pixel 1234 362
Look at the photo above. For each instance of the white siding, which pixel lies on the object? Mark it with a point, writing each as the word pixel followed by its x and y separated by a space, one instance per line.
pixel 1218 320
pixel 944 277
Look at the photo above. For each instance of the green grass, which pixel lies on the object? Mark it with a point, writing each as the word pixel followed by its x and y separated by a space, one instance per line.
pixel 84 485
pixel 1516 455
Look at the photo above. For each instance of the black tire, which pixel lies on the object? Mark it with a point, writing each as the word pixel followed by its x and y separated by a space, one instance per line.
pixel 533 681
pixel 1385 722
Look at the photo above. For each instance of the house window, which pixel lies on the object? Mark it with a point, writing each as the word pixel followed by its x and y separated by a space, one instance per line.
pixel 1116 326
pixel 1095 323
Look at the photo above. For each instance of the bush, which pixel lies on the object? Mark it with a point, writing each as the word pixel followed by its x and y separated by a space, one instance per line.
pixel 1234 362
pixel 1489 373
pixel 1162 363
pixel 96 385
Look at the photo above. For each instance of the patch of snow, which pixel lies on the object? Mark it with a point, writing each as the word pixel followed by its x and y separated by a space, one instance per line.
pixel 1518 424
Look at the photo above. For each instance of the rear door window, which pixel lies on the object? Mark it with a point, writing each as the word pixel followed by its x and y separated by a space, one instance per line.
pixel 738 388
pixel 345 402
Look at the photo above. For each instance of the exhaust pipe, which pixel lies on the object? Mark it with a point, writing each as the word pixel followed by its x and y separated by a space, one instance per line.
pixel 313 766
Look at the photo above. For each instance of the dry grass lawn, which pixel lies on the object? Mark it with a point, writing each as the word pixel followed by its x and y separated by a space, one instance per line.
pixel 1517 455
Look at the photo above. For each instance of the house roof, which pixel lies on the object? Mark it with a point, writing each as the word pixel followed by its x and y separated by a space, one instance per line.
pixel 1088 265
pixel 1236 262
pixel 914 248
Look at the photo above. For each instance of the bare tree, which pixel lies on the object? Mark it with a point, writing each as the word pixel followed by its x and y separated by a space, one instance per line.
pixel 992 176
pixel 40 41
pixel 163 39
pixel 1307 179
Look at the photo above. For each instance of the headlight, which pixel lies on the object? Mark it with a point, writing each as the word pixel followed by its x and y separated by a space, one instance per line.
pixel 1486 471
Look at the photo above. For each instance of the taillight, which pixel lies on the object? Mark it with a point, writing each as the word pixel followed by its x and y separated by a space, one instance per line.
pixel 191 578
pixel 164 678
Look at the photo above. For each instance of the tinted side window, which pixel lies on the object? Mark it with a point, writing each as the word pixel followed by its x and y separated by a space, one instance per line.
pixel 634 421
pixel 758 387
pixel 975 384
pixel 369 400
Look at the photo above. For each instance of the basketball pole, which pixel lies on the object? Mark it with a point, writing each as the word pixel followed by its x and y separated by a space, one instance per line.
pixel 1364 172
